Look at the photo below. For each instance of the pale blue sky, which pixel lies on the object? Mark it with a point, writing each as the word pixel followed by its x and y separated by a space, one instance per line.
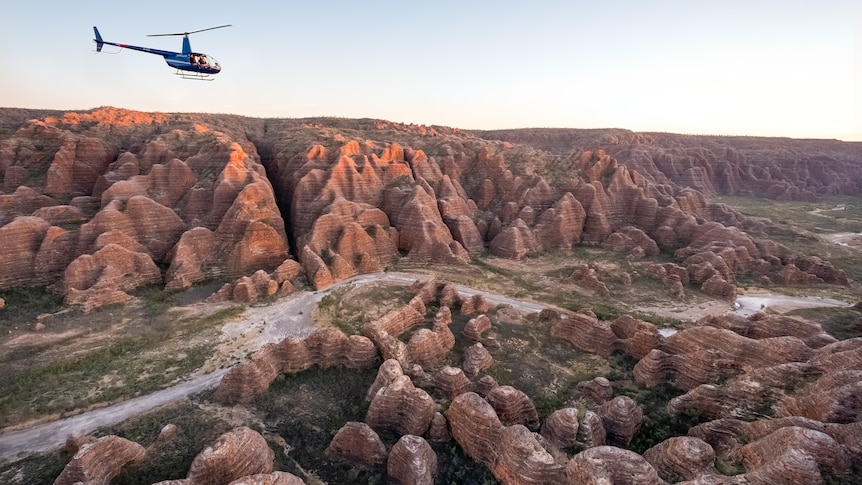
pixel 776 68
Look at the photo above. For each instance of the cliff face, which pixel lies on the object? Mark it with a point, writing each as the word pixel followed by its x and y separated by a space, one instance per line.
pixel 98 203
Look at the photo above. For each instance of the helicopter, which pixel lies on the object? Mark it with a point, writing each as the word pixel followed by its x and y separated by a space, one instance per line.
pixel 189 64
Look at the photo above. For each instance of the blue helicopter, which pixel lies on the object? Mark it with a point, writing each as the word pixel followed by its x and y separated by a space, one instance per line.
pixel 189 65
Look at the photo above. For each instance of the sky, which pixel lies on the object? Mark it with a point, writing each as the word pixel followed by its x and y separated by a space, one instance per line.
pixel 761 68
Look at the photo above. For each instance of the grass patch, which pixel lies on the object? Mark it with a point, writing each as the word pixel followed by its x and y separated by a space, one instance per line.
pixel 118 370
pixel 23 304
pixel 841 323
pixel 308 408
pixel 143 360
pixel 156 300
pixel 35 469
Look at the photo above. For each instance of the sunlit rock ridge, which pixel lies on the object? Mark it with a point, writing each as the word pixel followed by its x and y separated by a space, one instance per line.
pixel 96 203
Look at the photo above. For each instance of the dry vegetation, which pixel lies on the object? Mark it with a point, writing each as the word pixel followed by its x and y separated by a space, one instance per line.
pixel 78 361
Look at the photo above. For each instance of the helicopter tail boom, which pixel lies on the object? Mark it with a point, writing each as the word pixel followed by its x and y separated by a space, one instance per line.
pixel 98 39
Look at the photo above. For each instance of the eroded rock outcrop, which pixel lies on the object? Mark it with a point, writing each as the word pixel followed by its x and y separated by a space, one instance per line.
pixel 682 457
pixel 357 443
pixel 608 464
pixel 622 418
pixel 513 407
pixel 522 459
pixel 586 332
pixel 561 427
pixel 452 382
pixel 475 426
pixel 236 454
pixel 274 478
pixel 412 461
pixel 476 359
pixel 326 347
pixel 100 461
pixel 401 407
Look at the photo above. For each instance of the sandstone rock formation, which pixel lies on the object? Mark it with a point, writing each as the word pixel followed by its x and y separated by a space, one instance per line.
pixel 357 443
pixel 201 202
pixel 595 392
pixel 703 354
pixel 476 427
pixel 793 455
pixel 591 431
pixel 274 478
pixel 476 359
pixel 452 382
pixel 429 347
pixel 474 328
pixel 401 407
pixel 100 461
pixel 622 418
pixel 513 407
pixel 522 459
pixel 438 432
pixel 608 464
pixel 682 457
pixel 412 461
pixel 586 332
pixel 326 347
pixel 561 427
pixel 236 454
pixel 475 304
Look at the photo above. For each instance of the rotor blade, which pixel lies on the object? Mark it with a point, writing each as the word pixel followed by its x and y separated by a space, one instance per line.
pixel 211 28
pixel 192 32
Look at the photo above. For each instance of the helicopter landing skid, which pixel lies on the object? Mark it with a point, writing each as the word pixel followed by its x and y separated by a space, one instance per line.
pixel 196 76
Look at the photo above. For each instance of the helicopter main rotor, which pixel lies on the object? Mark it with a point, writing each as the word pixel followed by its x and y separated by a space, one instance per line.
pixel 186 34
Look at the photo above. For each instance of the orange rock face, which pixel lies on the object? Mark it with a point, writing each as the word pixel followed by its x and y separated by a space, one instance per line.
pixel 622 418
pixel 359 200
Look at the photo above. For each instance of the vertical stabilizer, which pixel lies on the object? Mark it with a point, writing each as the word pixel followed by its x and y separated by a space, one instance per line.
pixel 98 40
pixel 187 46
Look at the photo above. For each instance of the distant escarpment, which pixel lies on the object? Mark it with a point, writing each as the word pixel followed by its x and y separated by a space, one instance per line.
pixel 98 203
pixel 776 168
